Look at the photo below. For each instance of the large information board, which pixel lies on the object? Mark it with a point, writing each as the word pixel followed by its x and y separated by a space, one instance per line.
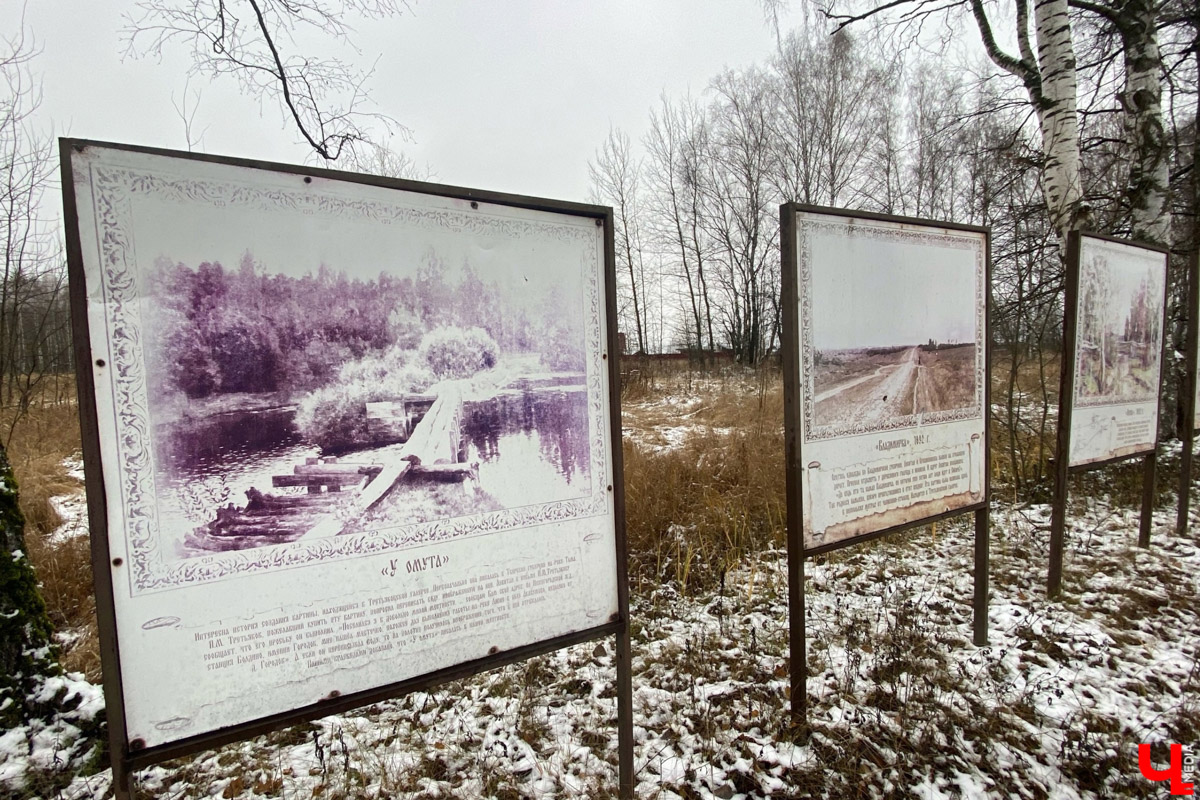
pixel 885 356
pixel 1113 321
pixel 344 435
pixel 1118 317
pixel 892 373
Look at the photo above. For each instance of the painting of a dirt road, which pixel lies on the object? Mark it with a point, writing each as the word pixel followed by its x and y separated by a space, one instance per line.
pixel 868 387
pixel 891 328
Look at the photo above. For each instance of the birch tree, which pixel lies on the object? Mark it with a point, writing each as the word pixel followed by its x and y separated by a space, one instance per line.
pixel 1045 65
pixel 1050 80
pixel 1146 149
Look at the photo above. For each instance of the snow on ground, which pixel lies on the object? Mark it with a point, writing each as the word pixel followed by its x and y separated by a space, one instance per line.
pixel 683 411
pixel 901 703
pixel 44 755
pixel 71 508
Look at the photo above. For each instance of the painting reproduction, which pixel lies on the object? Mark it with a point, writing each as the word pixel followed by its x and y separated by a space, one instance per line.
pixel 311 369
pixel 891 365
pixel 1119 313
pixel 892 342
pixel 1120 329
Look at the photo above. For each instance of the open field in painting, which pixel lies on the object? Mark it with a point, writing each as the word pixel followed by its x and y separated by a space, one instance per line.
pixel 874 386
pixel 946 378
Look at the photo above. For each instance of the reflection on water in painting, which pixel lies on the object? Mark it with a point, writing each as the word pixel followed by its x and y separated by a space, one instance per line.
pixel 529 447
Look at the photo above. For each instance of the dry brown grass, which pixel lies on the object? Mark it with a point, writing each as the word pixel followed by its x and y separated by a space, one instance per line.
pixel 40 441
pixel 1024 424
pixel 948 379
pixel 695 512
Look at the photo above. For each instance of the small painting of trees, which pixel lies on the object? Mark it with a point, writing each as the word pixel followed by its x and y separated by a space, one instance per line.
pixel 221 332
pixel 1120 329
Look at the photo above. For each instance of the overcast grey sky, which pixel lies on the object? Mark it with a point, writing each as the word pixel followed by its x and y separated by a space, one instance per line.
pixel 510 96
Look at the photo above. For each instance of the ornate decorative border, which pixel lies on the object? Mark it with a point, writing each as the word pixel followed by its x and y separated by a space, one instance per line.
pixel 1152 259
pixel 860 228
pixel 112 189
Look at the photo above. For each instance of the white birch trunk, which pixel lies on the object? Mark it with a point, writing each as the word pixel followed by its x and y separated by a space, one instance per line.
pixel 1149 179
pixel 1057 116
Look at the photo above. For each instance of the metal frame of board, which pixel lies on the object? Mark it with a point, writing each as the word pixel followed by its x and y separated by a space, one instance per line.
pixel 1066 389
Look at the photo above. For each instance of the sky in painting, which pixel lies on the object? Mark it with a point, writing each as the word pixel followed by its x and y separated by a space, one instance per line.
pixel 871 293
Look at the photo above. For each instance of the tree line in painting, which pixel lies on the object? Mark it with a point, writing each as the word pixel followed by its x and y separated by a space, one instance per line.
pixel 221 331
pixel 1119 334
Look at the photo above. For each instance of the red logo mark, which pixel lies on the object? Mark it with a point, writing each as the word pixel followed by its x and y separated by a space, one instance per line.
pixel 1174 773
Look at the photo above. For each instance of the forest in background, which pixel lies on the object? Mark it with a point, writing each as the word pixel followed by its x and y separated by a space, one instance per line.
pixel 220 331
pixel 1094 129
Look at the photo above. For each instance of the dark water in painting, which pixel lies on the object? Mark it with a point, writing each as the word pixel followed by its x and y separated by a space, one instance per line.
pixel 531 447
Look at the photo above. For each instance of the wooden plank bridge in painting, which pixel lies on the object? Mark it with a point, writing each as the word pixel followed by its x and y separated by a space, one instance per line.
pixel 341 491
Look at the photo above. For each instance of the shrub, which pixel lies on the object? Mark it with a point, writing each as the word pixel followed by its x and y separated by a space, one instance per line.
pixel 335 416
pixel 193 370
pixel 458 353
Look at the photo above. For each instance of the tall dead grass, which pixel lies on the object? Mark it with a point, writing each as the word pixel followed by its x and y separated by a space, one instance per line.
pixel 695 512
pixel 40 441
pixel 1024 418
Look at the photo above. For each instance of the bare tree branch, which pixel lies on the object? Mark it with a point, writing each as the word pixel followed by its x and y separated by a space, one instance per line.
pixel 1013 66
pixel 323 99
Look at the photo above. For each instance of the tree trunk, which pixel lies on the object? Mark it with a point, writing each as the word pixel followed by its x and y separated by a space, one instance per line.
pixel 1057 118
pixel 1149 178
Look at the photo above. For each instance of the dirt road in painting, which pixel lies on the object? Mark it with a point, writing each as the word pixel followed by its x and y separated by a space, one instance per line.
pixel 868 400
pixel 867 388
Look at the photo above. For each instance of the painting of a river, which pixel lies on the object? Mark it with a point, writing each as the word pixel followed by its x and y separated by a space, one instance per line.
pixel 526 447
pixel 301 391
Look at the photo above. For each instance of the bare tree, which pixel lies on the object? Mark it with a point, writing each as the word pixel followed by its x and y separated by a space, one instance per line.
pixel 739 206
pixel 377 159
pixel 676 143
pixel 1048 77
pixel 935 163
pixel 33 317
pixel 26 167
pixel 324 98
pixel 615 176
pixel 185 109
pixel 828 99
pixel 1145 147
